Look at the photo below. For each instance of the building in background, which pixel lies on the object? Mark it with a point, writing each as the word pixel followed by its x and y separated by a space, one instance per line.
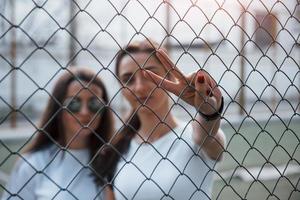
pixel 51 35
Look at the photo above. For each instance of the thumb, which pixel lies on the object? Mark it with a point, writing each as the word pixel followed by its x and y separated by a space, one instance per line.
pixel 201 85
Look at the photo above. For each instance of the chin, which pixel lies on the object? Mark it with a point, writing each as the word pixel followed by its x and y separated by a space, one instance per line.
pixel 81 134
pixel 85 131
pixel 147 109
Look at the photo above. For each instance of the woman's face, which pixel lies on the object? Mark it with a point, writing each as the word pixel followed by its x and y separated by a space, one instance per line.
pixel 138 89
pixel 82 113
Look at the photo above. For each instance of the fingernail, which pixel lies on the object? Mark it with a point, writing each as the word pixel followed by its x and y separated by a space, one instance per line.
pixel 200 79
pixel 208 93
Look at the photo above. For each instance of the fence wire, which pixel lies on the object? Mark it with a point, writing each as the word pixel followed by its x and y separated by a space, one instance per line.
pixel 250 48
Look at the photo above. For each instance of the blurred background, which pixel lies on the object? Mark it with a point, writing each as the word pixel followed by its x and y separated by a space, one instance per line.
pixel 251 48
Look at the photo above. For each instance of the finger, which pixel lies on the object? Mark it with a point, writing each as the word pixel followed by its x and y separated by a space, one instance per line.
pixel 215 88
pixel 200 93
pixel 201 85
pixel 217 92
pixel 204 101
pixel 210 82
pixel 168 64
pixel 190 79
pixel 161 81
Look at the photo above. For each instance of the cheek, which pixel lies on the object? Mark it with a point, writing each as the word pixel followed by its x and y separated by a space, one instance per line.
pixel 160 98
pixel 129 96
pixel 67 117
pixel 160 93
pixel 73 125
pixel 71 120
pixel 96 122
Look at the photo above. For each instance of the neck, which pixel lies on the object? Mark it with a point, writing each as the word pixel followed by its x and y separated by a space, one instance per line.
pixel 154 126
pixel 77 145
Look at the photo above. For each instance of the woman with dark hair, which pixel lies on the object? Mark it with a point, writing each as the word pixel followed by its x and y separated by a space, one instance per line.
pixel 156 156
pixel 62 160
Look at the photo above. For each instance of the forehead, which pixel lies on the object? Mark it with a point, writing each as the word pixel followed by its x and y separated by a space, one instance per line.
pixel 134 61
pixel 76 88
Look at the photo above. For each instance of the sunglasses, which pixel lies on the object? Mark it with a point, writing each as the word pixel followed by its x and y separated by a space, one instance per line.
pixel 74 104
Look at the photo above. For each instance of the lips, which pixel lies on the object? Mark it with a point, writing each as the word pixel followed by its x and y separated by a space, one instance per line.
pixel 83 122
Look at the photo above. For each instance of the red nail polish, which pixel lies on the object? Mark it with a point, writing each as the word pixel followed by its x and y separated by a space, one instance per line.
pixel 200 79
pixel 208 93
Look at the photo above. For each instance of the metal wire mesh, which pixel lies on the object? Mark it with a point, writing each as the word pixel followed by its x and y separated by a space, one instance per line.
pixel 250 47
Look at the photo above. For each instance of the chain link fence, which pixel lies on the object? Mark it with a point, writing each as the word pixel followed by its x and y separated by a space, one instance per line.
pixel 250 47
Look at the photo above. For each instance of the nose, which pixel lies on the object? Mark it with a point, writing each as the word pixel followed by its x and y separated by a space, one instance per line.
pixel 84 116
pixel 84 110
pixel 139 85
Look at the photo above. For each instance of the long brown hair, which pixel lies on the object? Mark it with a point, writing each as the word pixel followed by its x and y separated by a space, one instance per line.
pixel 120 143
pixel 51 126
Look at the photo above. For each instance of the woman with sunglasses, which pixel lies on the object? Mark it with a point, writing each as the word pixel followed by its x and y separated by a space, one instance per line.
pixel 156 156
pixel 61 161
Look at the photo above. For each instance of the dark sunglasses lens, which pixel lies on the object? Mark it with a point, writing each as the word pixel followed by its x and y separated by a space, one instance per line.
pixel 73 105
pixel 95 105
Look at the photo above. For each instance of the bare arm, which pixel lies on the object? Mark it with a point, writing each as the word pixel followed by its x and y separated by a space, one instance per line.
pixel 109 193
pixel 201 91
pixel 209 135
pixel 207 132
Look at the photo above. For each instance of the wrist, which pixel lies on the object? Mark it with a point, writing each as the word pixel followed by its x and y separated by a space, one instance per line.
pixel 213 116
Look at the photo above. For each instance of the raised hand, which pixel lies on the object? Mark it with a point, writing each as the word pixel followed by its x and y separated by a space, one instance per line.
pixel 198 89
